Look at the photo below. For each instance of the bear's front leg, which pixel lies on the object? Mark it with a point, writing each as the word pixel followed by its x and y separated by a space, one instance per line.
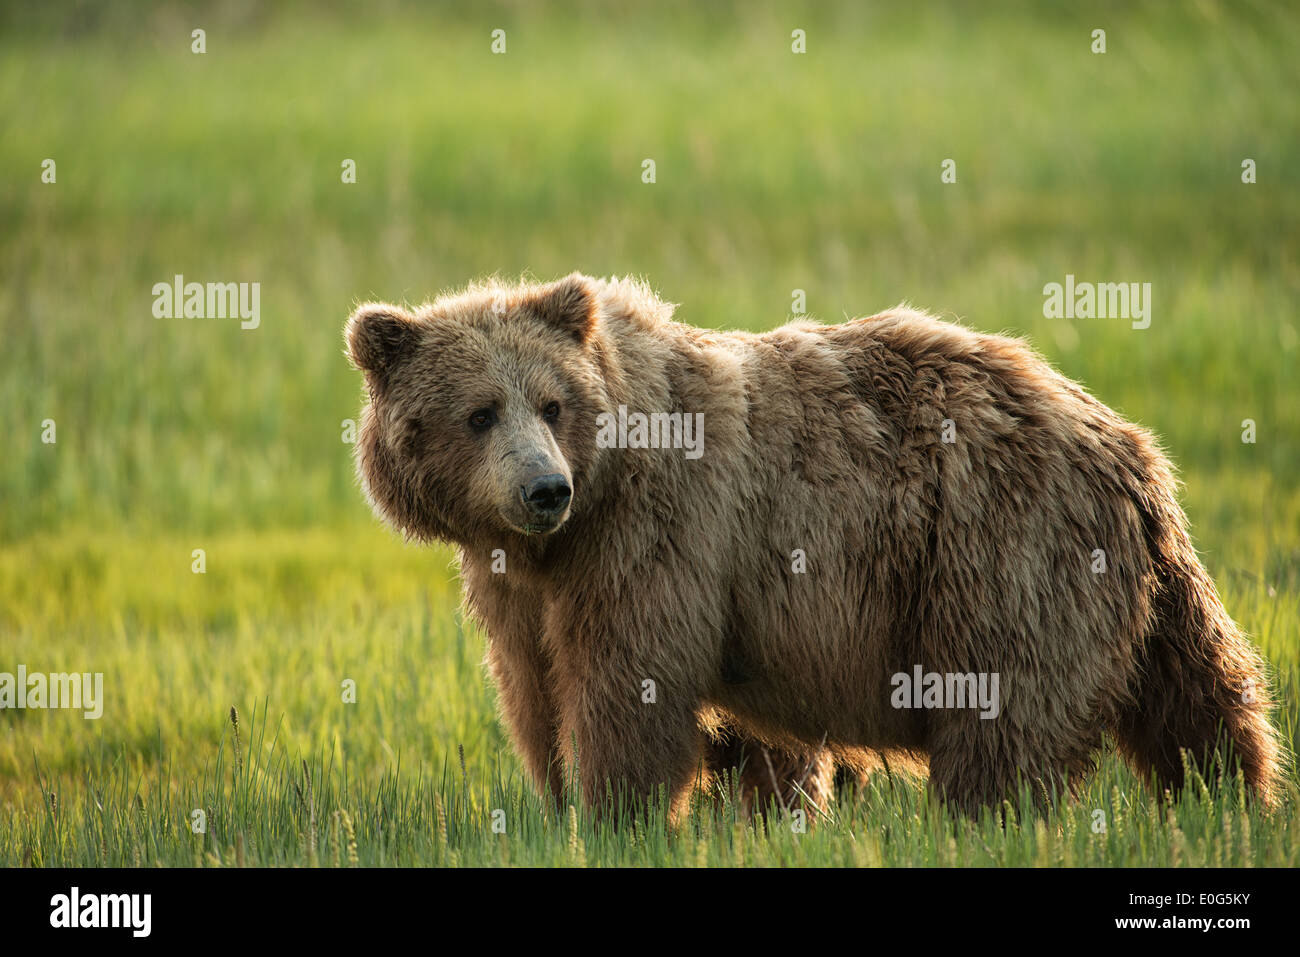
pixel 628 720
pixel 520 668
pixel 519 671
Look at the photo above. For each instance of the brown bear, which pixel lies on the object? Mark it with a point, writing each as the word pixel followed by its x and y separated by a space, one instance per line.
pixel 891 540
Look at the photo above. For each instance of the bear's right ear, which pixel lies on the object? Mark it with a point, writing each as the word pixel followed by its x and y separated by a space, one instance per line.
pixel 568 304
pixel 377 334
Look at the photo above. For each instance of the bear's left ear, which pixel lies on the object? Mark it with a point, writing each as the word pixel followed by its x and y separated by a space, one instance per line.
pixel 568 304
pixel 377 334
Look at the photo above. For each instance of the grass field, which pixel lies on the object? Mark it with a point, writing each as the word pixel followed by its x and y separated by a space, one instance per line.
pixel 775 171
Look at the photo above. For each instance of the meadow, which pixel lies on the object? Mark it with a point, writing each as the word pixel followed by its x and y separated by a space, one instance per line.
pixel 775 171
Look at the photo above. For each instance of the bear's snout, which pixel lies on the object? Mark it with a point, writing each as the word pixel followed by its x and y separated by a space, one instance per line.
pixel 546 496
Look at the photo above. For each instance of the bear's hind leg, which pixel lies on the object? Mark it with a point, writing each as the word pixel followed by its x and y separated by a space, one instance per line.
pixel 767 777
pixel 1201 687
pixel 973 767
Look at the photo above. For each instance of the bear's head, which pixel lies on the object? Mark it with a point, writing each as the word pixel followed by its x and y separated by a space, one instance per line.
pixel 481 409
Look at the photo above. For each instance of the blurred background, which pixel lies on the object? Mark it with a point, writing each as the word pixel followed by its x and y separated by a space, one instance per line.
pixel 774 172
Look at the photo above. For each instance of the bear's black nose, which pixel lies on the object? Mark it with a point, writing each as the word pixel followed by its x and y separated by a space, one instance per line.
pixel 547 494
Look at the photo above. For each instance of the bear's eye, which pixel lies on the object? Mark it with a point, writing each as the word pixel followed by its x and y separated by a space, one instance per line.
pixel 551 412
pixel 482 420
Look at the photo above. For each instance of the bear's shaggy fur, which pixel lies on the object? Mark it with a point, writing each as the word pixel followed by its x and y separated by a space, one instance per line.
pixel 947 491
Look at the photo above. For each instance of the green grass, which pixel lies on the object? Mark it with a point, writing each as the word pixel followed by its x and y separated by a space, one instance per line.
pixel 775 172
